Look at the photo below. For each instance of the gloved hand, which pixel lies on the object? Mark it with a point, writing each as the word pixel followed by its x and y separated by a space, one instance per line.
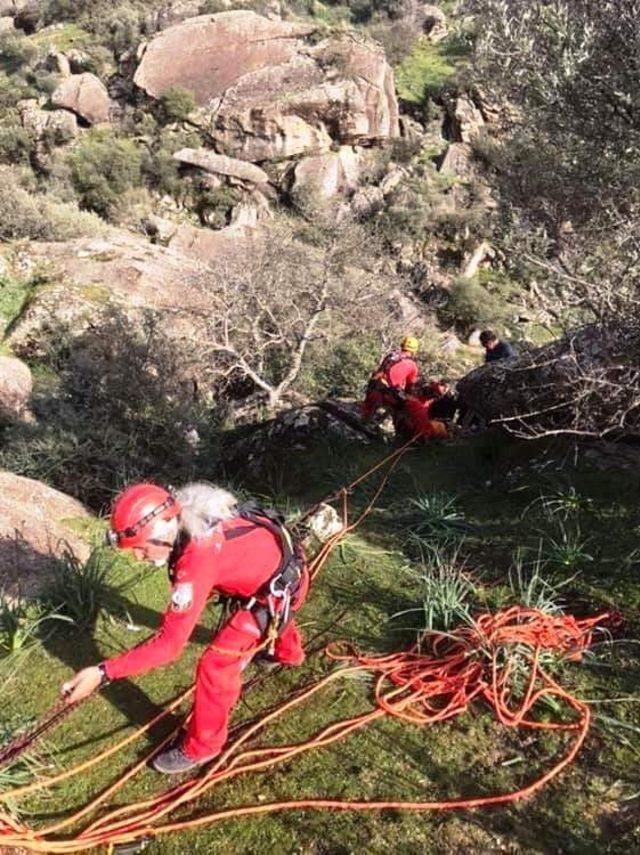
pixel 83 684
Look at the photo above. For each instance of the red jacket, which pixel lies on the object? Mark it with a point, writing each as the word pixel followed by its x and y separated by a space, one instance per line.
pixel 401 373
pixel 222 561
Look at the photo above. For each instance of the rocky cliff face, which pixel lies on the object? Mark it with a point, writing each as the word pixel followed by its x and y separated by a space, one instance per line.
pixel 266 92
pixel 36 526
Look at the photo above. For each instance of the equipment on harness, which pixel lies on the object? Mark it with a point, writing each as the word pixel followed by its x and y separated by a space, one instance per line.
pixel 380 380
pixel 273 603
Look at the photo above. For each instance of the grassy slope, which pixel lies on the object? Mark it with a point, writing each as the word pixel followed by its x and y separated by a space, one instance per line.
pixel 584 812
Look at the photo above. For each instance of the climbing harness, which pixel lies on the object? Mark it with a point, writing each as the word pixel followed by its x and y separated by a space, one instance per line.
pixel 272 604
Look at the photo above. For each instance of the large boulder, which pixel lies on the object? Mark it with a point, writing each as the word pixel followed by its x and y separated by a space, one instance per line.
pixel 266 92
pixel 61 123
pixel 210 247
pixel 582 385
pixel 433 21
pixel 120 271
pixel 121 283
pixel 36 526
pixel 85 95
pixel 16 385
pixel 465 117
pixel 325 176
pixel 458 161
pixel 209 53
pixel 220 164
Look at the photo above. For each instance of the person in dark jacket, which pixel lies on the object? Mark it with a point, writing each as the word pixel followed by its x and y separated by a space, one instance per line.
pixel 495 348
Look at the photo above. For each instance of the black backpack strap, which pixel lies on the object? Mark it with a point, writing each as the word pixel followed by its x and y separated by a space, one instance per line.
pixel 273 521
pixel 271 604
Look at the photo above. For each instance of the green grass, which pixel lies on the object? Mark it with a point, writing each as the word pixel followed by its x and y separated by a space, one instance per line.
pixel 14 294
pixel 427 70
pixel 61 37
pixel 589 809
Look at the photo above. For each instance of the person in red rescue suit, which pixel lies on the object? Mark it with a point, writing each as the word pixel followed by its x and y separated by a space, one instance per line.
pixel 416 415
pixel 210 548
pixel 395 376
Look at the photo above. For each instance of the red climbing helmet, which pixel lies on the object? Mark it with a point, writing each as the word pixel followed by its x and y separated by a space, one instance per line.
pixel 135 512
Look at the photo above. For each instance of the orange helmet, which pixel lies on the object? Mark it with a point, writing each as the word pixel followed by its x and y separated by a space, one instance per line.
pixel 135 511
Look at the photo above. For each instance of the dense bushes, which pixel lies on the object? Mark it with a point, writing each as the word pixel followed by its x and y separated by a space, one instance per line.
pixel 342 369
pixel 116 403
pixel 25 214
pixel 474 302
pixel 177 103
pixel 103 167
pixel 427 70
pixel 16 144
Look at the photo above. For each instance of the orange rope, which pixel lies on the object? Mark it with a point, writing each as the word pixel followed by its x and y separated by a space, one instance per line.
pixel 434 681
pixel 469 664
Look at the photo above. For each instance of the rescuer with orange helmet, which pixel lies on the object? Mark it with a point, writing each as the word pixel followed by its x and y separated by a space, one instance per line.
pixel 210 544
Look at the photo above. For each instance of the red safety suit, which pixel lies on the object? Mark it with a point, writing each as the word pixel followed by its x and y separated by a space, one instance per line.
pixel 398 371
pixel 236 559
pixel 414 418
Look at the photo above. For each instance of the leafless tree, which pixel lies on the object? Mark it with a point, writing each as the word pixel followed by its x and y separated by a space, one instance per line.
pixel 266 313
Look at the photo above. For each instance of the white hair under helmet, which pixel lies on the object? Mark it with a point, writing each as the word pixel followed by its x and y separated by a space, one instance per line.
pixel 202 506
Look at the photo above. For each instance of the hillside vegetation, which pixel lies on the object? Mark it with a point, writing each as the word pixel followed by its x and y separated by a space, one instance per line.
pixel 216 213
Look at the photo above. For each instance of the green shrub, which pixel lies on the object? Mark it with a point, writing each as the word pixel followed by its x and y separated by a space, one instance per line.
pixel 436 518
pixel 177 103
pixel 427 70
pixel 13 88
pixel 113 432
pixel 392 8
pixel 488 298
pixel 16 51
pixel 161 172
pixel 445 591
pixel 341 370
pixel 14 293
pixel 214 207
pixel 16 144
pixel 21 624
pixel 102 168
pixel 83 590
pixel 24 214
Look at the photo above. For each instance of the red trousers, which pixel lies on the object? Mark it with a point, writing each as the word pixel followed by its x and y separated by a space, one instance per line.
pixel 219 680
pixel 375 400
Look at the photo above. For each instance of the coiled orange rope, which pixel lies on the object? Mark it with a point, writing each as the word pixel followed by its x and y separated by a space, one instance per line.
pixel 495 659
